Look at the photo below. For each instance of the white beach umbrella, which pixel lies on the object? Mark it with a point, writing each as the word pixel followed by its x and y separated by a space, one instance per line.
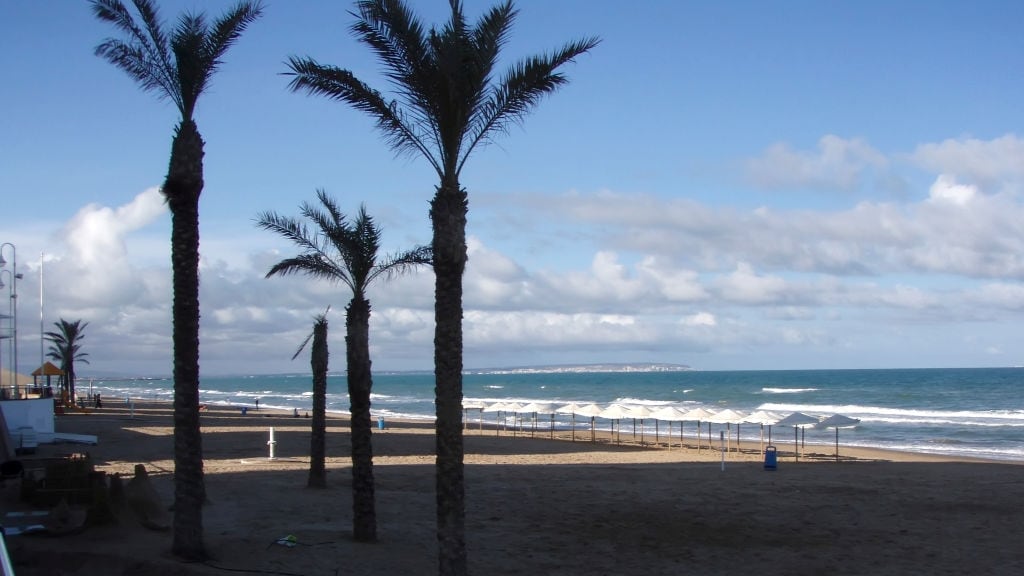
pixel 473 405
pixel 515 408
pixel 638 411
pixel 729 417
pixel 495 407
pixel 764 418
pixel 571 409
pixel 797 420
pixel 838 421
pixel 592 410
pixel 541 408
pixel 669 414
pixel 615 412
pixel 700 415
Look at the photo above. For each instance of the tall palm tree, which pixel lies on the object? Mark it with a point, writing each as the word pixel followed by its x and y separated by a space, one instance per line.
pixel 66 348
pixel 448 101
pixel 346 252
pixel 318 438
pixel 178 65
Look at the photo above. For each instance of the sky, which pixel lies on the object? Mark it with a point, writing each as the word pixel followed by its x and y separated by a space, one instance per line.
pixel 727 185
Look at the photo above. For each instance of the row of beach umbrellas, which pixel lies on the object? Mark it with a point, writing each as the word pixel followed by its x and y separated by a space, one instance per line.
pixel 617 412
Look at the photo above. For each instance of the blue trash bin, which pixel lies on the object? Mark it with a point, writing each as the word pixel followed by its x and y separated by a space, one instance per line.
pixel 244 410
pixel 770 458
pixel 380 422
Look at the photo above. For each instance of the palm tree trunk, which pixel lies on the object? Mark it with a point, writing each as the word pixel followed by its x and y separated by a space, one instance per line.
pixel 448 215
pixel 182 188
pixel 318 438
pixel 360 383
pixel 70 375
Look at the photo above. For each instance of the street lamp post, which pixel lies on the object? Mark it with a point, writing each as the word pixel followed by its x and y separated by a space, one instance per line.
pixel 13 303
pixel 6 333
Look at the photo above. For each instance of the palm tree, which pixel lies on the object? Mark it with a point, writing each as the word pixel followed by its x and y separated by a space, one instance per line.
pixel 346 252
pixel 178 65
pixel 66 348
pixel 448 101
pixel 318 437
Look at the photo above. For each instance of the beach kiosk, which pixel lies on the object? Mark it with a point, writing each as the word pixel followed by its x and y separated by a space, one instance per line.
pixel 47 370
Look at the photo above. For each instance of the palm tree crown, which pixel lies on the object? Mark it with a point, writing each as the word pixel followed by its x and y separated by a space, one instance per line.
pixel 196 47
pixel 340 250
pixel 66 348
pixel 447 99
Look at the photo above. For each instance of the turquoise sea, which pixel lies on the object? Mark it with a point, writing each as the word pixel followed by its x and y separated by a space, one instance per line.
pixel 967 412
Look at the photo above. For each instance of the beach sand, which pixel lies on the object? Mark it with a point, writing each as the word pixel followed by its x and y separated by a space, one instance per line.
pixel 536 505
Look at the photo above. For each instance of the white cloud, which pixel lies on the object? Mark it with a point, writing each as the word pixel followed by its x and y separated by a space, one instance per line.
pixel 996 165
pixel 664 279
pixel 836 164
pixel 699 319
pixel 747 287
pixel 96 234
pixel 945 189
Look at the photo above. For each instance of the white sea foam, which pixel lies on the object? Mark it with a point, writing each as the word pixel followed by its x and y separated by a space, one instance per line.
pixel 909 416
pixel 787 390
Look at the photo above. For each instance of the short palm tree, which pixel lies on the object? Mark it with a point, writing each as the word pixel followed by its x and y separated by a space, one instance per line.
pixel 346 252
pixel 318 361
pixel 178 65
pixel 448 102
pixel 66 348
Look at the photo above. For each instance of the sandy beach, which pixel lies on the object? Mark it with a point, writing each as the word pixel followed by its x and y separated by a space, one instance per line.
pixel 537 505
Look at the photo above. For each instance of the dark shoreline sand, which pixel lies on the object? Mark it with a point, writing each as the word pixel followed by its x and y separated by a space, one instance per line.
pixel 542 506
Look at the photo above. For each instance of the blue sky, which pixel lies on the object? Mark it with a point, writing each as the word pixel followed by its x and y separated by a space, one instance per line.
pixel 734 185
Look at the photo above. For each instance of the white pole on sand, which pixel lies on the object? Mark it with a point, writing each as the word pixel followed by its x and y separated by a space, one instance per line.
pixel 271 443
pixel 721 447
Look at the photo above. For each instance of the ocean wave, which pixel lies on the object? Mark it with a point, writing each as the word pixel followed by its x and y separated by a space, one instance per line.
pixel 904 415
pixel 787 390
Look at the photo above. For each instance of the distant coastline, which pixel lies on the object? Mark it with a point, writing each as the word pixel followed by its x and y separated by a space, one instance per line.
pixel 611 367
pixel 586 368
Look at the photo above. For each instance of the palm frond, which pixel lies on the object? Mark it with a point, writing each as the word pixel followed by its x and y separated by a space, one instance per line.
pixel 521 89
pixel 144 57
pixel 289 228
pixel 341 250
pixel 395 265
pixel 318 320
pixel 227 29
pixel 311 265
pixel 393 32
pixel 187 43
pixel 337 84
pixel 178 67
pixel 161 47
